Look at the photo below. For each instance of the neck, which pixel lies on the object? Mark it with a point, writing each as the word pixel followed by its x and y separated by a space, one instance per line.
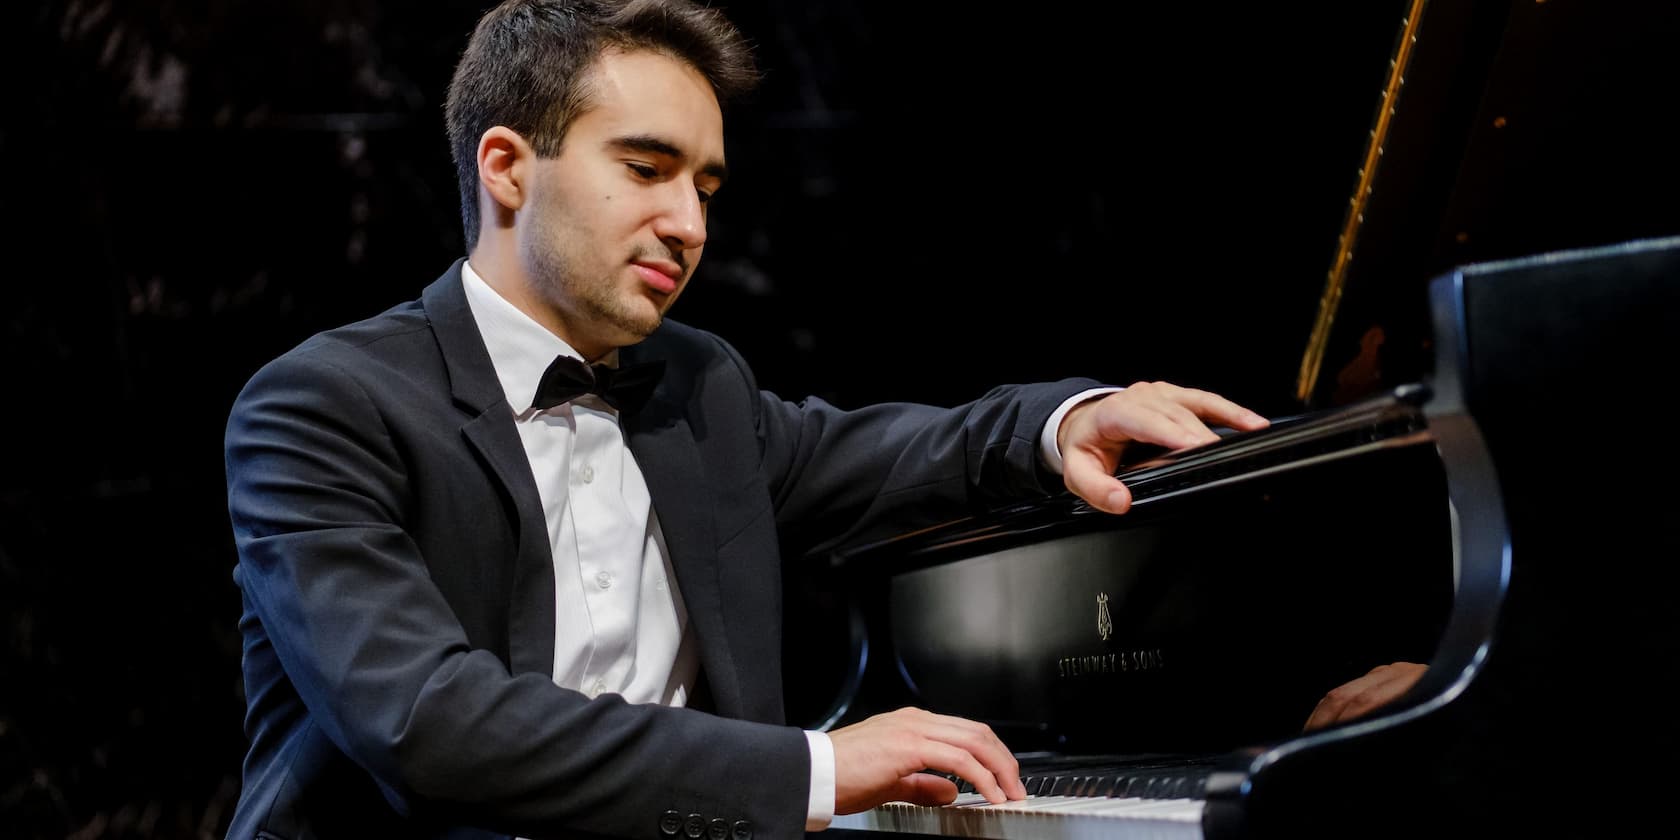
pixel 509 279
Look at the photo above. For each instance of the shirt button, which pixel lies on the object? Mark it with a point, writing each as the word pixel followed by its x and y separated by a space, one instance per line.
pixel 587 474
pixel 743 830
pixel 598 688
pixel 694 826
pixel 603 580
pixel 718 830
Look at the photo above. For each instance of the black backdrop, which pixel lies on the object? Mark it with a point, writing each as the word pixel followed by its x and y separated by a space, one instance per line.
pixel 927 199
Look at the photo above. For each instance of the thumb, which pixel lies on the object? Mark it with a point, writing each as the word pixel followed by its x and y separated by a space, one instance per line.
pixel 1092 478
pixel 923 789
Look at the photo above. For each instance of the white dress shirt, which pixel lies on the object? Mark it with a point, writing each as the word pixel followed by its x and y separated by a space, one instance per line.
pixel 620 625
pixel 619 621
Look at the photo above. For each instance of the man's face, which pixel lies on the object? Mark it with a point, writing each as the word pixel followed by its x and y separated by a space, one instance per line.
pixel 616 223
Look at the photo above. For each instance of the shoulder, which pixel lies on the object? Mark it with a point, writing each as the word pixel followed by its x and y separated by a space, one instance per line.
pixel 359 358
pixel 396 332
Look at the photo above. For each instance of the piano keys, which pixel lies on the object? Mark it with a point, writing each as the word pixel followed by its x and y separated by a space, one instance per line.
pixel 1050 817
pixel 1116 797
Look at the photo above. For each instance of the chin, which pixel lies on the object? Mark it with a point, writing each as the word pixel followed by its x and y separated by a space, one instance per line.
pixel 644 315
pixel 639 326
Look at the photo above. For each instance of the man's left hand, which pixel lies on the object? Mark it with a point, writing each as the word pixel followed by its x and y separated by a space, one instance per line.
pixel 1095 433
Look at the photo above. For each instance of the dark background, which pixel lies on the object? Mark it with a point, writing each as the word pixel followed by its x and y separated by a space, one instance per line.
pixel 927 199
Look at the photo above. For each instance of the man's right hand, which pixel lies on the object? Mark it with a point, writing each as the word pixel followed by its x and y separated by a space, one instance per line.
pixel 879 759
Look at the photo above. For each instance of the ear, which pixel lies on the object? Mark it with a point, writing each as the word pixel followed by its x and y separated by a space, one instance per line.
pixel 503 165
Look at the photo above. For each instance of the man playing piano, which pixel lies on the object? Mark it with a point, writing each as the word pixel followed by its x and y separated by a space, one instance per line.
pixel 509 553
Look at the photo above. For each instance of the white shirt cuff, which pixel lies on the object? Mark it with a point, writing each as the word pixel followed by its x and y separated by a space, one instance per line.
pixel 820 810
pixel 1048 451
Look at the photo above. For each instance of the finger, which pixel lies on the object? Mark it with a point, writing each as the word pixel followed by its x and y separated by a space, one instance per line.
pixel 1333 706
pixel 1323 714
pixel 1091 479
pixel 1356 697
pixel 1363 702
pixel 1387 684
pixel 1196 411
pixel 981 742
pixel 1156 419
pixel 1104 427
pixel 923 789
pixel 1210 406
pixel 938 755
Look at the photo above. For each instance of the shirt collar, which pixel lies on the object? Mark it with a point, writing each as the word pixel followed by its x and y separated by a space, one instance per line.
pixel 520 348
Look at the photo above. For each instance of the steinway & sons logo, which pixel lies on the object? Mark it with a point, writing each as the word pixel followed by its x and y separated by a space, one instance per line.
pixel 1115 662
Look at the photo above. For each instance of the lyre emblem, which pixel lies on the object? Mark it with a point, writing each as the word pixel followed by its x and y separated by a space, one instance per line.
pixel 1105 625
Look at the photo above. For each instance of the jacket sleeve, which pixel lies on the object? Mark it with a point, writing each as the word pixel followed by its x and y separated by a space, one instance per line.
pixel 839 477
pixel 316 489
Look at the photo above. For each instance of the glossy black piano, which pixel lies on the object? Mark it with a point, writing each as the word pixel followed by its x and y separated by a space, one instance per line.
pixel 1154 669
pixel 1498 517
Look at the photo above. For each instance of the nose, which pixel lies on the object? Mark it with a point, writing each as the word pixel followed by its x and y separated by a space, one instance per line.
pixel 681 223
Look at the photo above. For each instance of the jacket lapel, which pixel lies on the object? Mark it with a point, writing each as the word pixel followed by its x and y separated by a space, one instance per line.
pixel 663 444
pixel 491 432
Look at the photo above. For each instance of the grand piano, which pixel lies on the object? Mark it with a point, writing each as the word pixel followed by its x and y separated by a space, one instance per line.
pixel 1497 515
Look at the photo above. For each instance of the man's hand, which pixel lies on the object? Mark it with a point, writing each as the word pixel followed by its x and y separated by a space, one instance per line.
pixel 1094 433
pixel 1383 685
pixel 877 760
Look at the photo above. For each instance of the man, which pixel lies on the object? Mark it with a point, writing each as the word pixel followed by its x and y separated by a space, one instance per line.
pixel 480 598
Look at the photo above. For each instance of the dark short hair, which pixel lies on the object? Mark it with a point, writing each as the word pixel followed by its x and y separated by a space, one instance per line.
pixel 524 66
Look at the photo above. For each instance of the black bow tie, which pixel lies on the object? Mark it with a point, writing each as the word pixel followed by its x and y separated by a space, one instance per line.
pixel 625 388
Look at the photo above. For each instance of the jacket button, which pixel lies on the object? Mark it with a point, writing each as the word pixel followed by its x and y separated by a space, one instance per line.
pixel 719 830
pixel 694 826
pixel 670 823
pixel 743 830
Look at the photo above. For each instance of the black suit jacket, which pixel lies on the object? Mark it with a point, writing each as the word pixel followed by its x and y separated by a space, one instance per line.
pixel 398 588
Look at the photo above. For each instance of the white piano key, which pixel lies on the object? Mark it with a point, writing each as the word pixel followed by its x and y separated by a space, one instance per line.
pixel 1048 817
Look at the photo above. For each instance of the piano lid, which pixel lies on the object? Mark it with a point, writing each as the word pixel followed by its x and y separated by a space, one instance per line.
pixel 1520 128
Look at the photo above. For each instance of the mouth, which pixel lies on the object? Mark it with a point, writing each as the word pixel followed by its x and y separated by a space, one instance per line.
pixel 659 275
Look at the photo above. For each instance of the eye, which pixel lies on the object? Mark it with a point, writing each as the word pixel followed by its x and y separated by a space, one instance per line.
pixel 705 195
pixel 642 170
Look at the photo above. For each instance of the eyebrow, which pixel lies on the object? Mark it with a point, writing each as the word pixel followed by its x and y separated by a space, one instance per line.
pixel 650 144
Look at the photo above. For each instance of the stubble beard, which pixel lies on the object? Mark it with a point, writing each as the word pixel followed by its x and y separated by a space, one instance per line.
pixel 600 299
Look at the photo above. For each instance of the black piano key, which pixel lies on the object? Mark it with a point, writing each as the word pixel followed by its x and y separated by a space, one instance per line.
pixel 1147 777
pixel 1174 788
